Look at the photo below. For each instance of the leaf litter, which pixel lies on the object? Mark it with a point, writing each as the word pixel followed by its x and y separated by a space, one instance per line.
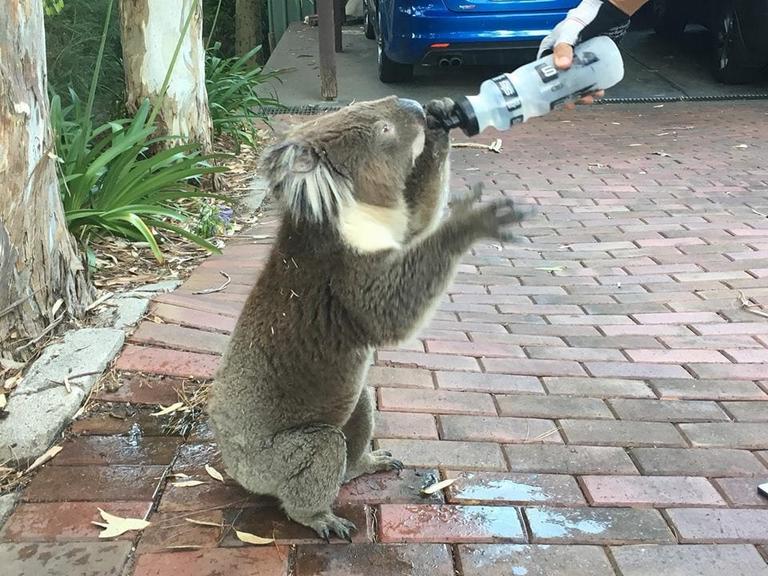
pixel 115 525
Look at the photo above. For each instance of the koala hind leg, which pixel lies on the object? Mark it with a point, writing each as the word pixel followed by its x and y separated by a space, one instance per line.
pixel 311 461
pixel 358 430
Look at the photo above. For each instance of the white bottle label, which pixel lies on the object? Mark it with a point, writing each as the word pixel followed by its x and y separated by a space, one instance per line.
pixel 511 99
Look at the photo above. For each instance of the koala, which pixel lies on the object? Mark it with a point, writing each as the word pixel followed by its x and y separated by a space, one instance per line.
pixel 361 259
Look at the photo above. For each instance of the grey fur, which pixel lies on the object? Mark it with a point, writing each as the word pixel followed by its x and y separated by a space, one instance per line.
pixel 290 408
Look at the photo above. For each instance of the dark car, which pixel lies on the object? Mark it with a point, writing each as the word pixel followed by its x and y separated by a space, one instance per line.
pixel 739 28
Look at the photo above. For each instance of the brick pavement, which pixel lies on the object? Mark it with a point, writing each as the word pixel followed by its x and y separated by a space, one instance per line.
pixel 597 390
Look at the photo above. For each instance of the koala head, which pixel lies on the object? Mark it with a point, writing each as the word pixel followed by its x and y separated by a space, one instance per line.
pixel 358 156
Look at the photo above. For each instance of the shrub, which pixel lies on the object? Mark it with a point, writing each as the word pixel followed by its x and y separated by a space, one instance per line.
pixel 232 98
pixel 110 180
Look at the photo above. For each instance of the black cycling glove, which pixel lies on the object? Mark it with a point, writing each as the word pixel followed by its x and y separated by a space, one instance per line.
pixel 589 19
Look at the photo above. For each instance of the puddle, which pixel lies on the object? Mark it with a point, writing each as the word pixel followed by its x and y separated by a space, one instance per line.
pixel 476 488
pixel 552 524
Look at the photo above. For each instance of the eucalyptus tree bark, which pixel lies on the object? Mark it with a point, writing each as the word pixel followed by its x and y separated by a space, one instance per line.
pixel 39 261
pixel 150 31
pixel 248 27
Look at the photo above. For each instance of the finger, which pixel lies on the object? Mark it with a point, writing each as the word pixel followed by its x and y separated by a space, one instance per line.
pixel 586 100
pixel 563 55
pixel 569 106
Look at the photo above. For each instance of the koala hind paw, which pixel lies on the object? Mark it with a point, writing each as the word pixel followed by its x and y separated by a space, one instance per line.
pixel 383 460
pixel 328 524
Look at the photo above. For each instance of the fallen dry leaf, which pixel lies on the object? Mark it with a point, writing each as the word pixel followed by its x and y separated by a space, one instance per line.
pixel 203 522
pixel 3 401
pixel 9 364
pixel 249 538
pixel 179 475
pixel 12 382
pixel 213 473
pixel 438 486
pixel 115 525
pixel 551 268
pixel 187 483
pixel 50 453
pixel 168 409
pixel 56 307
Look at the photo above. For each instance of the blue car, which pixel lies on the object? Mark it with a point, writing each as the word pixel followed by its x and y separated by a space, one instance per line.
pixel 450 33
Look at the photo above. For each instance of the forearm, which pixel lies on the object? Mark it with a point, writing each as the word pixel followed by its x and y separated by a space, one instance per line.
pixel 629 7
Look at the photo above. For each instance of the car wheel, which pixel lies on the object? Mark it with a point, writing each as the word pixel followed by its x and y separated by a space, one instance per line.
pixel 389 70
pixel 728 52
pixel 669 18
pixel 370 33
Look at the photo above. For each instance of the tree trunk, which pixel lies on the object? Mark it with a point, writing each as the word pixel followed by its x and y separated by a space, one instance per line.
pixel 150 30
pixel 39 262
pixel 248 29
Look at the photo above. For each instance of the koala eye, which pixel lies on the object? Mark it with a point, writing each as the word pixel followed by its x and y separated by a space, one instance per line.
pixel 385 128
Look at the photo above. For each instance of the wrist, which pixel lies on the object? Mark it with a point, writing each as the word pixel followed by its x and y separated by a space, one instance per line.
pixel 628 7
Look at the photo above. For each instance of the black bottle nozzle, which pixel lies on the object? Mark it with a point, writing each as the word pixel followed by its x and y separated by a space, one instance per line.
pixel 461 115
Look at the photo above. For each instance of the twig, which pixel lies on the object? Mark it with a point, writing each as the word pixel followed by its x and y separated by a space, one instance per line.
pixel 542 436
pixel 494 146
pixel 100 300
pixel 74 376
pixel 219 289
pixel 42 335
pixel 753 308
pixel 21 300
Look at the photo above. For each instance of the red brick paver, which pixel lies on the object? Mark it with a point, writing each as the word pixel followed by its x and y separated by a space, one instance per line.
pixel 597 390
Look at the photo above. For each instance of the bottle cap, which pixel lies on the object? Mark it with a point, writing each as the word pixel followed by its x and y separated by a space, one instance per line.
pixel 467 118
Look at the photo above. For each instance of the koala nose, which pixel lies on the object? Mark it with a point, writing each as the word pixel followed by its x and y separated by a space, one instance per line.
pixel 412 106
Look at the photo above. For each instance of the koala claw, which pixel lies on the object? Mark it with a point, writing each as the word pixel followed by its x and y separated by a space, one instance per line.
pixel 477 191
pixel 329 524
pixel 440 114
pixel 500 214
pixel 382 460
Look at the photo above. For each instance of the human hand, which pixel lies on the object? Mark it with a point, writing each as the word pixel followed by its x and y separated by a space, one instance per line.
pixel 589 19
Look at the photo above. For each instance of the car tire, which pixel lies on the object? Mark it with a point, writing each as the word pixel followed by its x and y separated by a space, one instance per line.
pixel 728 52
pixel 390 71
pixel 669 18
pixel 370 32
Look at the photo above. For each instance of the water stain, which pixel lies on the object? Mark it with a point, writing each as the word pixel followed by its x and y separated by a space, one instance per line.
pixel 551 524
pixel 465 522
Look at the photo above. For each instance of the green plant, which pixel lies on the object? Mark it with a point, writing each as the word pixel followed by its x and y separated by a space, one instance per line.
pixel 210 218
pixel 53 7
pixel 110 179
pixel 232 98
pixel 111 182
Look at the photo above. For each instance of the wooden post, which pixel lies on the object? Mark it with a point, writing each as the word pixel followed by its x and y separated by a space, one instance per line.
pixel 340 15
pixel 327 26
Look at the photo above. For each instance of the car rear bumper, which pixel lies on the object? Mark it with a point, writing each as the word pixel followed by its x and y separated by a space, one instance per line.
pixel 476 38
pixel 478 53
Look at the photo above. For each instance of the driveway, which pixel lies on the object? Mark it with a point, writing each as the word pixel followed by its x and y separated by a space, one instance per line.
pixel 598 390
pixel 653 68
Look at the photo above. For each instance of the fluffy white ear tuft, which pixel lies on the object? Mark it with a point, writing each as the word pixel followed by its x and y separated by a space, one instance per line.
pixel 309 187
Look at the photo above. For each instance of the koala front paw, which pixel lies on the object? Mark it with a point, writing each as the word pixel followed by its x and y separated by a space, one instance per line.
pixel 496 217
pixel 465 202
pixel 441 114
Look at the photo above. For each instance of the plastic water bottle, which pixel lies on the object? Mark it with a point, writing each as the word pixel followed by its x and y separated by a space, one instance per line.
pixel 538 88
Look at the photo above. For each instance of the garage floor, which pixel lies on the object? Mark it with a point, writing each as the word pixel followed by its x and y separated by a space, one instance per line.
pixel 654 68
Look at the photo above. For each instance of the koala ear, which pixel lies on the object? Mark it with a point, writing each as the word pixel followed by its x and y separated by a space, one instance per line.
pixel 305 182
